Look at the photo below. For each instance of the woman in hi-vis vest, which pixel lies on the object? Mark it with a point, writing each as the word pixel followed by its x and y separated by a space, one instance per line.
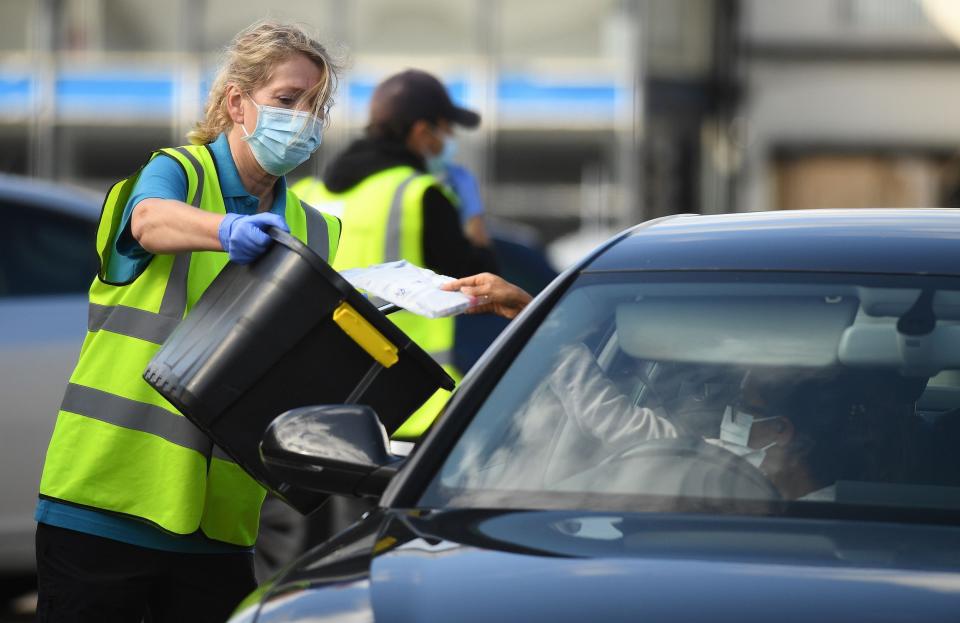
pixel 139 516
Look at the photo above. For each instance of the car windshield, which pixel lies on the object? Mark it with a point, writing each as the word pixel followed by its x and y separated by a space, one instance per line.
pixel 726 391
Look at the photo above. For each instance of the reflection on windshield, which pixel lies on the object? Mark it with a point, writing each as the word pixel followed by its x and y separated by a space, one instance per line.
pixel 700 391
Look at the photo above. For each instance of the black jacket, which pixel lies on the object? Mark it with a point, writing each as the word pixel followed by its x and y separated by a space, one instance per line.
pixel 445 248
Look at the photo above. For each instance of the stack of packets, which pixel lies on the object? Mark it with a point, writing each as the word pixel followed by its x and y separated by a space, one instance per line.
pixel 408 286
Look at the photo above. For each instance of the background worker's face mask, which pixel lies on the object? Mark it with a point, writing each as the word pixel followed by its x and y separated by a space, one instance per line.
pixel 437 163
pixel 735 435
pixel 283 139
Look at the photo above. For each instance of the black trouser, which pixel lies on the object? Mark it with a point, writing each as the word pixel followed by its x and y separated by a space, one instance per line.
pixel 82 577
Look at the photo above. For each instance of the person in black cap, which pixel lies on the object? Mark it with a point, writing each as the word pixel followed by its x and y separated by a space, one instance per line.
pixel 385 188
pixel 414 94
pixel 408 142
pixel 403 100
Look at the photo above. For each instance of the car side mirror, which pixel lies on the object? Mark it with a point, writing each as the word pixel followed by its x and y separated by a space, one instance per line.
pixel 340 449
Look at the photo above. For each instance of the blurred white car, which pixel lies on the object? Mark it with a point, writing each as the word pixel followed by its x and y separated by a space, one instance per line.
pixel 47 260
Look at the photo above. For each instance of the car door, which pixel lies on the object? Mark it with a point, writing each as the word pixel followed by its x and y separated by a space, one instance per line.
pixel 47 260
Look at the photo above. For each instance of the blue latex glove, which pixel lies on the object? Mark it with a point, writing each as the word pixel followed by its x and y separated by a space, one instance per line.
pixel 465 186
pixel 245 238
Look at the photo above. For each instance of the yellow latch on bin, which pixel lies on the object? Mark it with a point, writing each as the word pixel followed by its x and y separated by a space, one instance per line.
pixel 365 335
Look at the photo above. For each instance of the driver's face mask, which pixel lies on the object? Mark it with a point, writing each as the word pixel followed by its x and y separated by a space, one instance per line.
pixel 735 435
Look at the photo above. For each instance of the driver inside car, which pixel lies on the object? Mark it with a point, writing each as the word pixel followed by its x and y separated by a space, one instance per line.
pixel 760 432
pixel 755 428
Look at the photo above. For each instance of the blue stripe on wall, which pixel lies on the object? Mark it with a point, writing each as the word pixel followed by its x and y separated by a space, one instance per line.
pixel 525 89
pixel 15 92
pixel 114 93
pixel 108 94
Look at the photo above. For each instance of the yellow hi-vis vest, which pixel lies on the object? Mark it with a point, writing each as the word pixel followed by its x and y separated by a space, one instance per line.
pixel 119 446
pixel 383 222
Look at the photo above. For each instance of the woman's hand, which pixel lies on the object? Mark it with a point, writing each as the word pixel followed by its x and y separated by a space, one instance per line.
pixel 245 237
pixel 493 294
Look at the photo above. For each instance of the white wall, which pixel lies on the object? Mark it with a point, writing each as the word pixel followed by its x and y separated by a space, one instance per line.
pixel 797 94
pixel 853 103
pixel 845 22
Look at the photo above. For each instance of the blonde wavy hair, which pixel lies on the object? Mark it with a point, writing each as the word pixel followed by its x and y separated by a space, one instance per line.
pixel 248 62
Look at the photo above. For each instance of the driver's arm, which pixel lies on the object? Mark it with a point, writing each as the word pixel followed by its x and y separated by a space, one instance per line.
pixel 599 409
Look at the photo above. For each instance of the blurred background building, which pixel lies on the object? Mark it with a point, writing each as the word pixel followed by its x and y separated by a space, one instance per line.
pixel 596 114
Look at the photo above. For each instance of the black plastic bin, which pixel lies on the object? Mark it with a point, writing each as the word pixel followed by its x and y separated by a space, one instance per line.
pixel 273 335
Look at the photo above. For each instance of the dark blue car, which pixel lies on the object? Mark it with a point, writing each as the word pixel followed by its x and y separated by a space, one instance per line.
pixel 751 417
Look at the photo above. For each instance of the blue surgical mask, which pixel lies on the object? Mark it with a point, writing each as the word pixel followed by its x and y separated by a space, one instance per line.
pixel 437 164
pixel 283 139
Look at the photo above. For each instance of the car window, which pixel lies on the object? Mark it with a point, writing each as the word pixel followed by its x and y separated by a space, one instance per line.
pixel 44 252
pixel 738 392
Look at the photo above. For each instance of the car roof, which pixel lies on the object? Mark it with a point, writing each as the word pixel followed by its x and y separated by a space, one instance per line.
pixel 904 241
pixel 62 198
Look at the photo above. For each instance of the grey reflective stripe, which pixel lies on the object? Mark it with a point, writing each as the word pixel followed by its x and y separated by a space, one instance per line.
pixel 97 316
pixel 131 322
pixel 318 237
pixel 198 194
pixel 134 415
pixel 142 324
pixel 174 303
pixel 218 453
pixel 443 357
pixel 391 249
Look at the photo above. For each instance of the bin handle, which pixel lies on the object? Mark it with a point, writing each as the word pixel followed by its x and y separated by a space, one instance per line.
pixel 281 236
pixel 285 238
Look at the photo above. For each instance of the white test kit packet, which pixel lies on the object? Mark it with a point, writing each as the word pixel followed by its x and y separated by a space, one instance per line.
pixel 411 287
